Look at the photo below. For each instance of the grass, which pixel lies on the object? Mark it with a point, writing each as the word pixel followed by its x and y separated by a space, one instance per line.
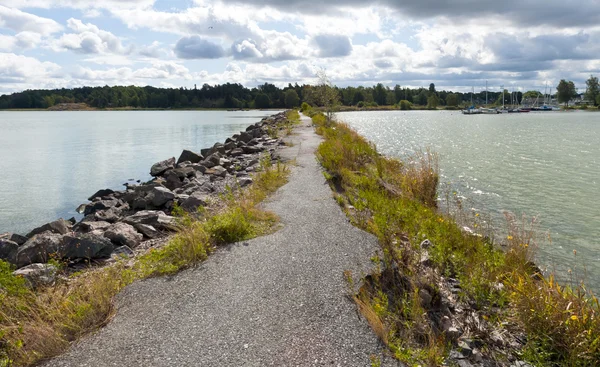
pixel 36 325
pixel 396 201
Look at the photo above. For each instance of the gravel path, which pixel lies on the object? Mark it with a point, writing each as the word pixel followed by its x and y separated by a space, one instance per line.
pixel 278 300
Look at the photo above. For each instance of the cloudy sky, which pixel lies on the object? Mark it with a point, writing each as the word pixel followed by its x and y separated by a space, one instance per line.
pixel 516 43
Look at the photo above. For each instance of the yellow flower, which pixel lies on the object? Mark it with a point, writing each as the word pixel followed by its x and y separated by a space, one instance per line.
pixel 509 238
pixel 477 214
pixel 574 318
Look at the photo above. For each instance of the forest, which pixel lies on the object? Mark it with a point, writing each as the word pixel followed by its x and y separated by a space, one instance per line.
pixel 236 96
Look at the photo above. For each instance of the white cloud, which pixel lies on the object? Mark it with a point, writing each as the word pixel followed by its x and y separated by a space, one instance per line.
pixel 19 21
pixel 89 39
pixel 79 4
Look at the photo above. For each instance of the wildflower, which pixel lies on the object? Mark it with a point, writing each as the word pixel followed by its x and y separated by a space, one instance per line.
pixel 574 318
pixel 509 238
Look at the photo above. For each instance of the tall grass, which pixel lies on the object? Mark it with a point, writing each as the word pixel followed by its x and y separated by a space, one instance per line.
pixel 36 325
pixel 396 201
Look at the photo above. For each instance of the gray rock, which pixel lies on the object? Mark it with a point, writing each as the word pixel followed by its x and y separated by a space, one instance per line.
pixel 124 234
pixel 17 238
pixel 236 152
pixel 160 167
pixel 172 180
pixel 110 215
pixel 230 145
pixel 425 298
pixel 85 246
pixel 100 205
pixel 161 196
pixel 147 230
pixel 464 348
pixel 91 226
pixel 8 250
pixel 248 149
pixel 122 252
pixel 188 155
pixel 426 244
pixel 38 248
pixel 245 137
pixel 224 162
pixel 212 160
pixel 218 148
pixel 245 181
pixel 217 171
pixel 184 172
pixel 38 275
pixel 155 218
pixel 205 152
pixel 59 226
pixel 195 200
pixel 101 193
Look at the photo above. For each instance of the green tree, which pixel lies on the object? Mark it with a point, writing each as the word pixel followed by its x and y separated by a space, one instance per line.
pixel 565 91
pixel 433 101
pixel 405 105
pixel 291 98
pixel 593 90
pixel 452 100
pixel 326 95
pixel 380 94
pixel 422 98
pixel 262 101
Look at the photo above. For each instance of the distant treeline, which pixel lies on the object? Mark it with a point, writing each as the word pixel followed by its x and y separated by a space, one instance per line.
pixel 237 96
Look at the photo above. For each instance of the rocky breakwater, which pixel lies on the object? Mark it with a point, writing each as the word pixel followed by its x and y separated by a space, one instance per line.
pixel 139 217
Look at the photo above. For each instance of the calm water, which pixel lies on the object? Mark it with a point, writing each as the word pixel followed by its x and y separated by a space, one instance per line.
pixel 50 162
pixel 540 164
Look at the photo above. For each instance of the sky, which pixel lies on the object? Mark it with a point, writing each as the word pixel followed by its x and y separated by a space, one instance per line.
pixel 458 45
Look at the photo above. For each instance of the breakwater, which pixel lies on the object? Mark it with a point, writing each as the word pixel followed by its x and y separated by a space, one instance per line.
pixel 118 222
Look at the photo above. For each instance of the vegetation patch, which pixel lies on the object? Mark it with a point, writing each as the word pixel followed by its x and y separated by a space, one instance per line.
pixel 440 290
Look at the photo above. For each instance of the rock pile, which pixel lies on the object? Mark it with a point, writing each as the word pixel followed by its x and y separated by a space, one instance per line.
pixel 118 221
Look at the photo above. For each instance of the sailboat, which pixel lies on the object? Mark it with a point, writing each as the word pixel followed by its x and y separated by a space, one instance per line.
pixel 488 111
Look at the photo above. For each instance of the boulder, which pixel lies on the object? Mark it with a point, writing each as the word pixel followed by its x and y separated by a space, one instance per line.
pixel 155 218
pixel 226 163
pixel 217 171
pixel 161 196
pixel 100 205
pixel 110 215
pixel 212 160
pixel 122 252
pixel 60 226
pixel 195 200
pixel 253 149
pixel 218 148
pixel 17 238
pixel 37 275
pixel 245 181
pixel 245 137
pixel 160 167
pixel 230 146
pixel 184 172
pixel 123 234
pixel 38 248
pixel 91 226
pixel 172 180
pixel 85 246
pixel 101 193
pixel 147 230
pixel 236 152
pixel 8 250
pixel 188 155
pixel 205 152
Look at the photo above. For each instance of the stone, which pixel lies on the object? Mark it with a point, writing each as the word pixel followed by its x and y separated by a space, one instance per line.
pixel 245 181
pixel 230 145
pixel 18 239
pixel 100 205
pixel 188 155
pixel 173 181
pixel 91 226
pixel 425 298
pixel 217 171
pixel 212 160
pixel 161 196
pixel 85 246
pixel 147 230
pixel 225 163
pixel 8 250
pixel 426 244
pixel 37 275
pixel 38 249
pixel 464 348
pixel 195 200
pixel 248 149
pixel 245 137
pixel 101 193
pixel 59 226
pixel 155 218
pixel 124 234
pixel 453 333
pixel 162 166
pixel 205 152
pixel 236 152
pixel 110 215
pixel 218 148
pixel 122 252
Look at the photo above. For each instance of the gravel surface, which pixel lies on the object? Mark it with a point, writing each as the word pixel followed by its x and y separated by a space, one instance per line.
pixel 278 300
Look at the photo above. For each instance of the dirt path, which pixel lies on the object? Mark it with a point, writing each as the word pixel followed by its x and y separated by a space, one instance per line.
pixel 278 300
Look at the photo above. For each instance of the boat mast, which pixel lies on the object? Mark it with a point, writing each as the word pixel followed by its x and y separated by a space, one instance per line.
pixel 486 101
pixel 502 97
